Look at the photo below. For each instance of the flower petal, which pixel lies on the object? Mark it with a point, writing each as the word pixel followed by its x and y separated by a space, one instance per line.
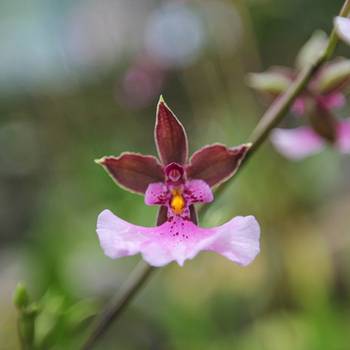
pixel 322 120
pixel 342 26
pixel 216 163
pixel 237 240
pixel 178 239
pixel 156 194
pixel 133 171
pixel 170 136
pixel 343 137
pixel 198 191
pixel 117 237
pixel 296 143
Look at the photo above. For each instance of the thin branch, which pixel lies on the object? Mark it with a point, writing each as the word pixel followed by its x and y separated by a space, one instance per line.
pixel 132 285
pixel 269 120
pixel 127 291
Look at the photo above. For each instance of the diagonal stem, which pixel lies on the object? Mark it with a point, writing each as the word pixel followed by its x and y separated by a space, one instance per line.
pixel 128 290
pixel 269 120
pixel 136 280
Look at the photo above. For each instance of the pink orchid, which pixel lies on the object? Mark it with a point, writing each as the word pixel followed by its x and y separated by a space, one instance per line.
pixel 176 184
pixel 316 104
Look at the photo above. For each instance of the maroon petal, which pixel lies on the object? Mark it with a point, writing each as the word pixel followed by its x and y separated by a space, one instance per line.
pixel 322 120
pixel 133 171
pixel 216 163
pixel 170 136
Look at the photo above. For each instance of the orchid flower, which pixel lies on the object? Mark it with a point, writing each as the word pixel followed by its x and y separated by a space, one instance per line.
pixel 315 105
pixel 176 183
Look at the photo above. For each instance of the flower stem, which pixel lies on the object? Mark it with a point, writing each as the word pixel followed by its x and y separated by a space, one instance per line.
pixel 128 290
pixel 269 120
pixel 333 38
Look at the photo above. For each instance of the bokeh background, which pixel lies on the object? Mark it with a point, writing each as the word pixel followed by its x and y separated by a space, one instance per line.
pixel 81 79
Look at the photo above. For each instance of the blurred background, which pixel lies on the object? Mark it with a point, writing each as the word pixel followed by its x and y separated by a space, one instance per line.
pixel 80 80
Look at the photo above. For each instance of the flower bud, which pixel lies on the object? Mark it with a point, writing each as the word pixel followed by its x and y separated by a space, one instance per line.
pixel 312 49
pixel 333 76
pixel 20 296
pixel 268 82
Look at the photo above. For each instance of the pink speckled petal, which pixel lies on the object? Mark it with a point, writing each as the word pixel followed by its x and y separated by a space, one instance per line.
pixel 296 143
pixel 342 26
pixel 198 191
pixel 156 194
pixel 178 239
pixel 343 136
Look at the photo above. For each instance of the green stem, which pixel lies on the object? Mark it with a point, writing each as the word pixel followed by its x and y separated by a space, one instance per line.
pixel 269 120
pixel 128 290
pixel 333 38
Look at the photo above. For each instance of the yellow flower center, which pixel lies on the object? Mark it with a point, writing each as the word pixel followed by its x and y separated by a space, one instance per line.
pixel 177 202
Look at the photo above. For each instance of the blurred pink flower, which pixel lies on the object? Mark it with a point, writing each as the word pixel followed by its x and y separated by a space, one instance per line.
pixel 304 141
pixel 176 184
pixel 316 103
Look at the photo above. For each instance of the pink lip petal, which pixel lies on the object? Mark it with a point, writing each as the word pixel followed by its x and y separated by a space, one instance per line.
pixel 117 237
pixel 296 143
pixel 178 240
pixel 237 240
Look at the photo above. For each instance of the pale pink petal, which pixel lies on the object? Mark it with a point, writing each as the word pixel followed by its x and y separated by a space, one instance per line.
pixel 178 239
pixel 117 237
pixel 343 136
pixel 237 240
pixel 342 26
pixel 296 143
pixel 333 101
pixel 198 191
pixel 156 194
